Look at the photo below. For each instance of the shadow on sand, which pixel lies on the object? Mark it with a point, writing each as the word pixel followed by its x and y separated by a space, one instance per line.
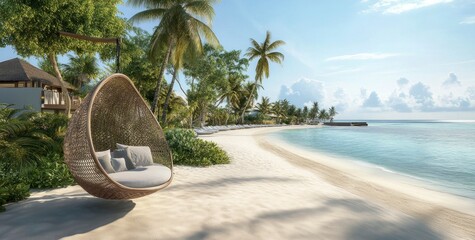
pixel 57 216
pixel 370 225
pixel 226 182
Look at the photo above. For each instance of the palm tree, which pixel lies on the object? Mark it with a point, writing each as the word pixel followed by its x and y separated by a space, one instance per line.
pixel 264 52
pixel 233 91
pixel 81 69
pixel 264 107
pixel 182 25
pixel 314 111
pixel 332 113
pixel 305 113
pixel 278 110
pixel 323 115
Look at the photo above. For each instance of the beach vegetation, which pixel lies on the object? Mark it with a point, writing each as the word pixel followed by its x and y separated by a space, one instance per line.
pixel 323 115
pixel 178 34
pixel 189 150
pixel 212 78
pixel 265 52
pixel 30 152
pixel 81 69
pixel 332 113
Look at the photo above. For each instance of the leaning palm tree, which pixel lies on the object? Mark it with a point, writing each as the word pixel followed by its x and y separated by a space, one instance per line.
pixel 183 24
pixel 265 53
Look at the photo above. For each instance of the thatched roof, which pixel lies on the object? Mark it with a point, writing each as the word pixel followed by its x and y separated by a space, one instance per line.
pixel 18 70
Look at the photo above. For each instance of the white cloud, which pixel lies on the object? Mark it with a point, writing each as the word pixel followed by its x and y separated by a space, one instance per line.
pixel 401 82
pixel 400 6
pixel 468 20
pixel 399 102
pixel 451 102
pixel 362 56
pixel 471 93
pixel 451 80
pixel 304 91
pixel 342 100
pixel 422 95
pixel 373 101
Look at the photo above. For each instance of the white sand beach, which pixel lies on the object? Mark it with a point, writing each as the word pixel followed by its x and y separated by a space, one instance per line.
pixel 269 191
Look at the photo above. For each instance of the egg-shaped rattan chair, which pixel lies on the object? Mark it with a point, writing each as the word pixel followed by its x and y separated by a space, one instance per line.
pixel 114 112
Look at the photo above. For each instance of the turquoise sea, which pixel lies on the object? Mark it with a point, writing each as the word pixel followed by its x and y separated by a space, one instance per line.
pixel 440 153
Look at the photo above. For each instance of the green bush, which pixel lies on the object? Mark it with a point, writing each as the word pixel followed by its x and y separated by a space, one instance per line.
pixel 51 172
pixel 30 153
pixel 12 186
pixel 192 151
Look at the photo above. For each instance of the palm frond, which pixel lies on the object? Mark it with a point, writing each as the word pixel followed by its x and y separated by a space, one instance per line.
pixel 202 9
pixel 276 57
pixel 275 45
pixel 207 32
pixel 266 42
pixel 149 14
pixel 151 3
pixel 257 46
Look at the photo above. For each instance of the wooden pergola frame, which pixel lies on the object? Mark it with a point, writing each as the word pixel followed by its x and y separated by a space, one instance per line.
pixel 117 41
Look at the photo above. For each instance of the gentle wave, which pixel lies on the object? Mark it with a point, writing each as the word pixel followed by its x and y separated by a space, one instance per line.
pixel 440 153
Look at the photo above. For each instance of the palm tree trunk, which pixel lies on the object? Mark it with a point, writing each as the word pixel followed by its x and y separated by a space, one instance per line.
pixel 169 93
pixel 154 106
pixel 248 102
pixel 64 90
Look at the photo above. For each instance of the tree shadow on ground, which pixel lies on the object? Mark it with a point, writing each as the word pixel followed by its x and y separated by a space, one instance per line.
pixel 364 221
pixel 226 182
pixel 58 216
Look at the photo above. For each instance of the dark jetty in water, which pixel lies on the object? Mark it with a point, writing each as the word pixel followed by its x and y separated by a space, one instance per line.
pixel 347 124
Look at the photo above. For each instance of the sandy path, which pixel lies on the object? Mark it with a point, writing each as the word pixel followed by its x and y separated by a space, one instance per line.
pixel 260 195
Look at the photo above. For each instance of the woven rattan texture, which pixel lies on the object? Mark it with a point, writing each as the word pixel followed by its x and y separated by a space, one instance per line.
pixel 118 114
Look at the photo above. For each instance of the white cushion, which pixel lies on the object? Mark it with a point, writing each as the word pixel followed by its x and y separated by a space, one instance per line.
pixel 140 155
pixel 143 177
pixel 122 153
pixel 121 146
pixel 104 159
pixel 119 164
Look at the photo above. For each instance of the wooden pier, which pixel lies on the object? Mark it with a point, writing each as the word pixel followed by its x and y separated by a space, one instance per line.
pixel 346 124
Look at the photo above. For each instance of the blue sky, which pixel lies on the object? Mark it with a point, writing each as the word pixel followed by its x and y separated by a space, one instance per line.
pixel 372 59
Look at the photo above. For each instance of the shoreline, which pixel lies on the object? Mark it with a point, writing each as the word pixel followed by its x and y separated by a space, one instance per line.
pixel 409 196
pixel 377 174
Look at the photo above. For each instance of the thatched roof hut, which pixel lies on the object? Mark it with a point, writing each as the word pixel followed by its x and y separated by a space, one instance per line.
pixel 19 73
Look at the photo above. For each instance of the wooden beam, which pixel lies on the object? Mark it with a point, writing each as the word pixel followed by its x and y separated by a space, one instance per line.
pixel 87 38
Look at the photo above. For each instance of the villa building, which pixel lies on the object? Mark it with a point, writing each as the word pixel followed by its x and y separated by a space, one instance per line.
pixel 26 86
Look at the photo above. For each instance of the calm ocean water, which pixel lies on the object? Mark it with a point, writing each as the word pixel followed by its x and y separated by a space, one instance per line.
pixel 436 152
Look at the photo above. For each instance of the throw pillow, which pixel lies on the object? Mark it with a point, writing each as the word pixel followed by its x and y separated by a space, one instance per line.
pixel 121 146
pixel 119 164
pixel 104 158
pixel 122 153
pixel 140 155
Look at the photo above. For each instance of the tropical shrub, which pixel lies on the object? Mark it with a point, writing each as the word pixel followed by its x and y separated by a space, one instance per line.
pixel 30 153
pixel 51 172
pixel 12 186
pixel 192 151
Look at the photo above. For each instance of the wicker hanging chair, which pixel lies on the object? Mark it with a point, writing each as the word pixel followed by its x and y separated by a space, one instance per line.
pixel 114 112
